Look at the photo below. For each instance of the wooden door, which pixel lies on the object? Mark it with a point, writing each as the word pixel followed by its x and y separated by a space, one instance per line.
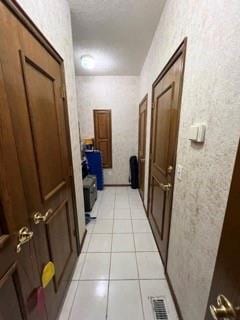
pixel 19 276
pixel 165 118
pixel 142 123
pixel 226 279
pixel 103 135
pixel 34 89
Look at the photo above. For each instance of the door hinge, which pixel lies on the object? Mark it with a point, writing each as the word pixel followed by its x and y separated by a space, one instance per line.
pixel 63 92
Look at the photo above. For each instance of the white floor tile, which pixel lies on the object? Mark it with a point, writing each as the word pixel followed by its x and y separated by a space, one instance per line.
pixel 79 266
pixel 123 242
pixel 122 214
pixel 90 226
pixel 107 213
pixel 122 203
pixel 140 225
pixel 66 309
pixel 123 266
pixel 106 205
pixel 157 288
pixel 90 301
pixel 100 243
pixel 150 265
pixel 124 301
pixel 103 226
pixel 122 226
pixel 138 214
pixel 86 242
pixel 144 242
pixel 96 266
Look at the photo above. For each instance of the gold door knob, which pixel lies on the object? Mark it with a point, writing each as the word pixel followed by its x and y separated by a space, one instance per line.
pixel 224 309
pixel 24 236
pixel 38 217
pixel 165 187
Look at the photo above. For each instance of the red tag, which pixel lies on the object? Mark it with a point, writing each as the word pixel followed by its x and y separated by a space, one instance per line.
pixel 40 300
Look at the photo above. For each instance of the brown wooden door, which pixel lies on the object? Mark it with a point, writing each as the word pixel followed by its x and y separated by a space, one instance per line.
pixel 226 279
pixel 19 276
pixel 103 135
pixel 165 118
pixel 34 83
pixel 142 143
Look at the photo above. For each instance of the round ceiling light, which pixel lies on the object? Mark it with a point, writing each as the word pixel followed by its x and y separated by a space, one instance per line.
pixel 87 62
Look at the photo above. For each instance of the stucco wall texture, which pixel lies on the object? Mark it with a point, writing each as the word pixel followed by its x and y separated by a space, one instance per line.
pixel 210 95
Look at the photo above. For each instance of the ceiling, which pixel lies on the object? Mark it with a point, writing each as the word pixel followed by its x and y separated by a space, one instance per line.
pixel 116 33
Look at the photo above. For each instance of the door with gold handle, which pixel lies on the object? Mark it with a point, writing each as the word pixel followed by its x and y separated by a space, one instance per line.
pixel 24 236
pixel 224 309
pixel 38 217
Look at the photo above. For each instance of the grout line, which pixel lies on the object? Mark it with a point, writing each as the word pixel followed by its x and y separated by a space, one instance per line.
pixel 110 264
pixel 73 300
pixel 139 285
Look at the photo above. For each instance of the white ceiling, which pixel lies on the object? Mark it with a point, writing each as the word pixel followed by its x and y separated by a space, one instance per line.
pixel 117 33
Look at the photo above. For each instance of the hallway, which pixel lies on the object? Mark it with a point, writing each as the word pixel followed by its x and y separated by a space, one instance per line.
pixel 119 269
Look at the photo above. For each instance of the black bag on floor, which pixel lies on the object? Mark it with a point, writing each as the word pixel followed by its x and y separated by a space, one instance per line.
pixel 133 172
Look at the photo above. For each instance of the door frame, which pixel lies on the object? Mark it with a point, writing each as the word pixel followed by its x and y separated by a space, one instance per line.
pixel 182 48
pixel 145 98
pixel 109 111
pixel 21 15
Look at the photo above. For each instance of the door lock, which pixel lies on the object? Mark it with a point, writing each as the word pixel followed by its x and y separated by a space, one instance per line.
pixel 165 187
pixel 24 236
pixel 224 309
pixel 38 217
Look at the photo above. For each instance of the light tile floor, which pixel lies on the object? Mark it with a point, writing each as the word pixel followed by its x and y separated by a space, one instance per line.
pixel 119 268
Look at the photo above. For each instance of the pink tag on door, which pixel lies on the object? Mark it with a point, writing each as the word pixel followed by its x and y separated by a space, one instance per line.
pixel 40 300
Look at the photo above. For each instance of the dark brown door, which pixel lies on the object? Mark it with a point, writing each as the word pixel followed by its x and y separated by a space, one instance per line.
pixel 103 135
pixel 19 276
pixel 226 279
pixel 142 143
pixel 165 118
pixel 34 82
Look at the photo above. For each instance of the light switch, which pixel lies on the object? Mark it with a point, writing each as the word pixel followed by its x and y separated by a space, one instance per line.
pixel 197 132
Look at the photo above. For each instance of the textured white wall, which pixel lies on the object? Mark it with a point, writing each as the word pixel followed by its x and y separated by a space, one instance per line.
pixel 54 21
pixel 119 93
pixel 211 94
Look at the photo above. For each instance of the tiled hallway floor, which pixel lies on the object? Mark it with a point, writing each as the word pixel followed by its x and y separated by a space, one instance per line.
pixel 119 268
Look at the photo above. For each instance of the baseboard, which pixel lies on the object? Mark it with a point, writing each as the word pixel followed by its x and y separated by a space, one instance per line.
pixel 116 185
pixel 83 239
pixel 174 296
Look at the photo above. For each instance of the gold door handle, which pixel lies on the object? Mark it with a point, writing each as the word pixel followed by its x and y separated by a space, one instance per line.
pixel 165 187
pixel 24 236
pixel 38 217
pixel 224 309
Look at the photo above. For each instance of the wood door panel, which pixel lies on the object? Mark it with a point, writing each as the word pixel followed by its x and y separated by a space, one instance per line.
pixel 142 124
pixel 159 206
pixel 41 96
pixel 166 95
pixel 162 130
pixel 60 240
pixel 104 147
pixel 103 135
pixel 10 291
pixel 103 126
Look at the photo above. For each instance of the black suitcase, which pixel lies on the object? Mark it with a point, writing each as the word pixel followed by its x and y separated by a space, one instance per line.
pixel 134 172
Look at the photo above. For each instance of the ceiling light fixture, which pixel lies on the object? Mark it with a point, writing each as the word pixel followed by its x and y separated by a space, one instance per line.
pixel 87 62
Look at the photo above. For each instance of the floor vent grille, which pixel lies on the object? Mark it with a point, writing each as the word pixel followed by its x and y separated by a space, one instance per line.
pixel 159 308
